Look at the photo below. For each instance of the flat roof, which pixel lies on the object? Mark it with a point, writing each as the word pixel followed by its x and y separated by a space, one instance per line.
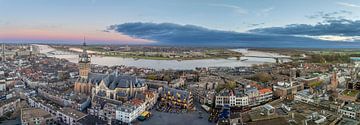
pixel 29 113
pixel 72 113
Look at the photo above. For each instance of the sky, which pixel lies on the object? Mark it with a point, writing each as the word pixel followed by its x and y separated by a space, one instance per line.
pixel 176 21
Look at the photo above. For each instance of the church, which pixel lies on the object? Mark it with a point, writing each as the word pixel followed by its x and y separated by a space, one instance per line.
pixel 112 86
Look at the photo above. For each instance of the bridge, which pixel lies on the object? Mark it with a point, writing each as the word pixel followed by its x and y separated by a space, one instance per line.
pixel 279 59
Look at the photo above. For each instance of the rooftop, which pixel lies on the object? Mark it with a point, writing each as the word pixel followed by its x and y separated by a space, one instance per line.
pixel 352 107
pixel 72 113
pixel 351 93
pixel 29 113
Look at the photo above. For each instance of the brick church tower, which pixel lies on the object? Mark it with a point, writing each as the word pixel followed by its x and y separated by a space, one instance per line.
pixel 82 85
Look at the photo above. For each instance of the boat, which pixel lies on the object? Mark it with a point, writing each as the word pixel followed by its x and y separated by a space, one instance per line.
pixel 244 59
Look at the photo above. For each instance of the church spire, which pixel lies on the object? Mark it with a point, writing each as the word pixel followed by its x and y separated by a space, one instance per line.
pixel 84 57
pixel 84 46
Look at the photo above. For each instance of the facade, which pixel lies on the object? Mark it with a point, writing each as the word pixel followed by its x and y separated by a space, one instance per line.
pixel 2 85
pixel 349 95
pixel 253 94
pixel 265 95
pixel 128 112
pixel 69 116
pixel 177 83
pixel 118 87
pixel 287 90
pixel 104 108
pixel 238 98
pixel 176 98
pixel 8 105
pixel 81 85
pixel 64 115
pixel 79 102
pixel 36 116
pixel 350 110
pixel 231 98
pixel 304 96
pixel 112 86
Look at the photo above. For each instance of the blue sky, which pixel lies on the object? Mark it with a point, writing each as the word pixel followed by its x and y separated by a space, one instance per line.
pixel 70 20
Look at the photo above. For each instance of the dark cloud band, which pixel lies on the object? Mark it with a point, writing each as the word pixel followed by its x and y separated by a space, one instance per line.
pixel 190 35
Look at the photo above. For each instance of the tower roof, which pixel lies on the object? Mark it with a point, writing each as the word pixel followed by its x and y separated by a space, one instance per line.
pixel 84 56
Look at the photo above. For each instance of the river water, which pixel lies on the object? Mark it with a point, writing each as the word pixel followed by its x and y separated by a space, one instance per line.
pixel 171 64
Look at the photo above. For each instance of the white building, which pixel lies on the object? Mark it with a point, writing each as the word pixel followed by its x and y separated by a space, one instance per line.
pixel 265 95
pixel 350 110
pixel 65 115
pixel 128 112
pixel 2 85
pixel 304 96
pixel 230 98
pixel 69 116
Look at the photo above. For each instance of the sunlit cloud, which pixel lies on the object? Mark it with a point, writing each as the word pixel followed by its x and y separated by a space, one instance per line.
pixel 334 38
pixel 348 4
pixel 47 35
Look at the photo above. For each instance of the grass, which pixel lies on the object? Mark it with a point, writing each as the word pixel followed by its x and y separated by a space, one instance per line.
pixel 351 93
pixel 316 84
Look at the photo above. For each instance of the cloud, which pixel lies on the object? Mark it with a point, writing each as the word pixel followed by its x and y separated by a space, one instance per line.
pixel 341 27
pixel 348 4
pixel 334 38
pixel 265 11
pixel 191 35
pixel 255 25
pixel 330 15
pixel 236 9
pixel 268 9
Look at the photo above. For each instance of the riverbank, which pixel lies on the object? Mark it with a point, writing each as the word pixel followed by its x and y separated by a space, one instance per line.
pixel 156 53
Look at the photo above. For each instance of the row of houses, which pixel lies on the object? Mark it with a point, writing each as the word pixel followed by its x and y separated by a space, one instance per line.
pixel 243 97
pixel 8 105
pixel 64 115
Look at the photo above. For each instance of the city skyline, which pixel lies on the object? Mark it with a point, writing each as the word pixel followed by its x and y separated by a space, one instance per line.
pixel 182 22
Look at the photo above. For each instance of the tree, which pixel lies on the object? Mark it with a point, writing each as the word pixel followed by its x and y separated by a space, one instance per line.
pixel 263 77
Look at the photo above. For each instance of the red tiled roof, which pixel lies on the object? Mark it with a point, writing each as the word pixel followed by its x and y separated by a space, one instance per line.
pixel 262 91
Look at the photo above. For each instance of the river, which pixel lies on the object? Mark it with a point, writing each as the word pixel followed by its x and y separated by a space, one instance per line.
pixel 169 64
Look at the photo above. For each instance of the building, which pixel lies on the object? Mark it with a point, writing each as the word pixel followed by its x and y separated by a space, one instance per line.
pixel 349 95
pixel 118 87
pixel 79 102
pixel 2 85
pixel 267 109
pixel 253 94
pixel 104 108
pixel 304 96
pixel 112 86
pixel 265 95
pixel 64 115
pixel 350 110
pixel 333 82
pixel 69 116
pixel 128 112
pixel 287 90
pixel 82 85
pixel 36 116
pixel 8 105
pixel 177 98
pixel 177 83
pixel 231 98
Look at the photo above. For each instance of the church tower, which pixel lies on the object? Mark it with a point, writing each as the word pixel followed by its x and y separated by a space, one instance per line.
pixel 82 85
pixel 84 63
